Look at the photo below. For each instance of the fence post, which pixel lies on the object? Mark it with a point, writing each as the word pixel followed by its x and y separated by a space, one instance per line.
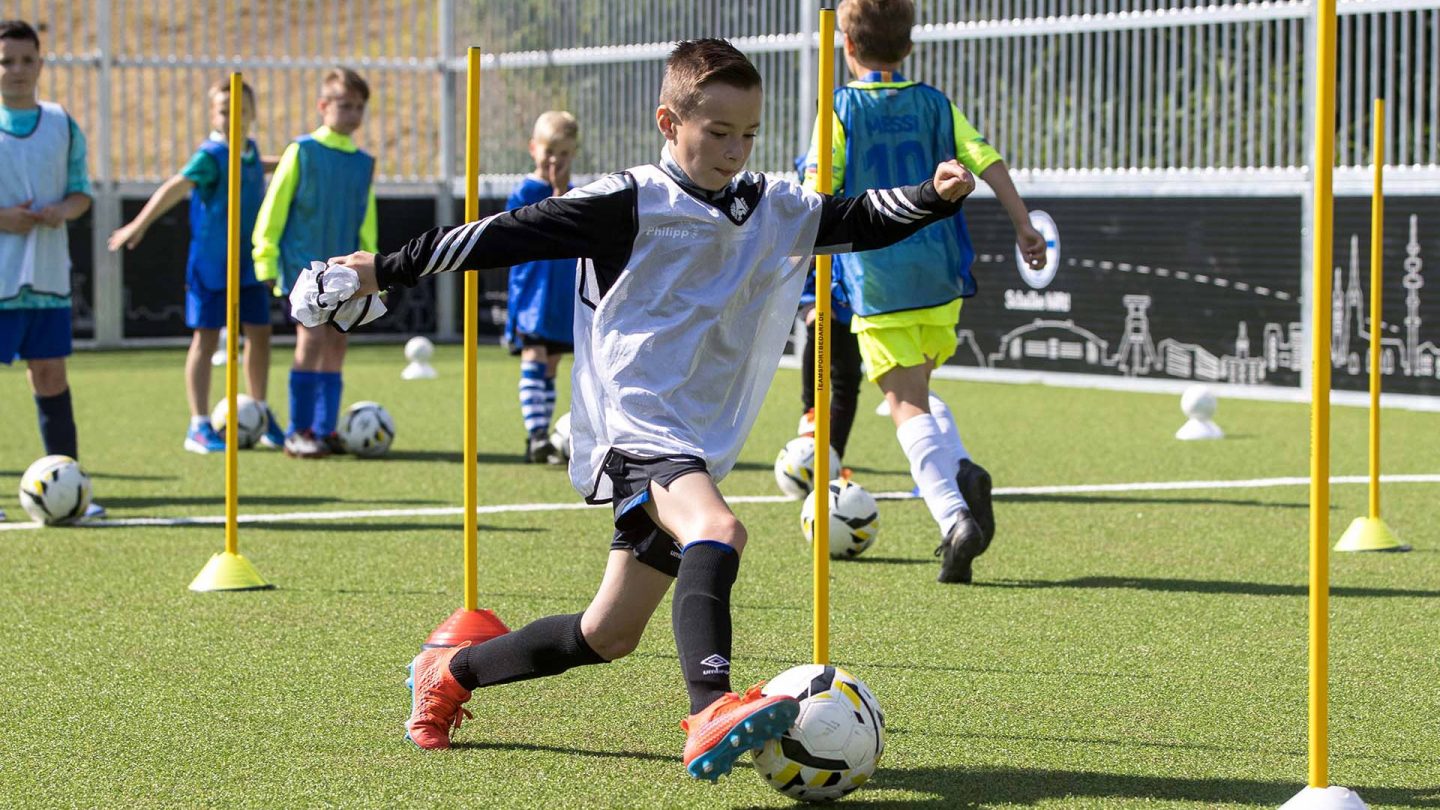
pixel 445 285
pixel 1307 212
pixel 805 104
pixel 107 284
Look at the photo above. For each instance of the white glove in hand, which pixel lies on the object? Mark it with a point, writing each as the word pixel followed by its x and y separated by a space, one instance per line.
pixel 325 294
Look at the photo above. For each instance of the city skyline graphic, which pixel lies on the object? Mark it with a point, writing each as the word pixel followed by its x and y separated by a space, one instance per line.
pixel 1136 351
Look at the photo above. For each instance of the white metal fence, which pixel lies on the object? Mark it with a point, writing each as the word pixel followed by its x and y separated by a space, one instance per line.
pixel 1140 97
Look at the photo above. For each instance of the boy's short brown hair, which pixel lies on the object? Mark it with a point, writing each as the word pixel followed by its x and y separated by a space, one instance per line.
pixel 21 30
pixel 222 86
pixel 880 29
pixel 347 81
pixel 697 62
pixel 555 124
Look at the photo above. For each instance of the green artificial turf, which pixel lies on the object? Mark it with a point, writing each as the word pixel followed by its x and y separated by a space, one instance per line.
pixel 1134 649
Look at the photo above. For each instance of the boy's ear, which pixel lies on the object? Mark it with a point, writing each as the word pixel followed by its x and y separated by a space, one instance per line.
pixel 666 121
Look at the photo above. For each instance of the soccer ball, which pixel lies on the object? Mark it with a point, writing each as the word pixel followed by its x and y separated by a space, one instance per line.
pixel 795 467
pixel 419 349
pixel 854 519
pixel 560 435
pixel 54 490
pixel 252 421
pixel 1198 402
pixel 836 740
pixel 367 430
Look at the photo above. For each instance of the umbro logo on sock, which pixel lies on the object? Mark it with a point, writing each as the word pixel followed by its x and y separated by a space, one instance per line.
pixel 715 665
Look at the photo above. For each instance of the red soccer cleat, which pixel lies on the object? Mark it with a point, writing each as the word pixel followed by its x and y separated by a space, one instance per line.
pixel 435 698
pixel 732 725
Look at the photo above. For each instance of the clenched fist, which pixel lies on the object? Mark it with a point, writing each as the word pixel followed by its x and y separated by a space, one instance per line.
pixel 953 181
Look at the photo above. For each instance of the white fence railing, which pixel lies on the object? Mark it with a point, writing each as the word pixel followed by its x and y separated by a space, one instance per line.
pixel 1132 96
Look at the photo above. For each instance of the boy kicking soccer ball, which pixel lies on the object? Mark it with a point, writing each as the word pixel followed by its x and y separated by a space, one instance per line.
pixel 690 275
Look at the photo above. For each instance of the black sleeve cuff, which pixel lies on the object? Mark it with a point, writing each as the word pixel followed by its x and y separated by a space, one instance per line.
pixel 930 199
pixel 388 271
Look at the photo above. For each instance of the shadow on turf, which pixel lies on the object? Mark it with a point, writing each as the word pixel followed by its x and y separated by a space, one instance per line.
pixel 108 476
pixel 755 466
pixel 557 749
pixel 380 525
pixel 867 560
pixel 120 502
pixel 1199 586
pixel 1101 498
pixel 981 787
pixel 455 456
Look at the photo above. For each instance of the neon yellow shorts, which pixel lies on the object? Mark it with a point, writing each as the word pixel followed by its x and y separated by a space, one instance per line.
pixel 883 348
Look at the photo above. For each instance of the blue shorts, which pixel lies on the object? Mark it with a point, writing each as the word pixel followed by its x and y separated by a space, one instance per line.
pixel 34 334
pixel 205 309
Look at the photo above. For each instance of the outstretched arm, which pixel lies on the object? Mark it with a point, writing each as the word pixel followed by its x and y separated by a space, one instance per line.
pixel 883 217
pixel 595 222
pixel 170 193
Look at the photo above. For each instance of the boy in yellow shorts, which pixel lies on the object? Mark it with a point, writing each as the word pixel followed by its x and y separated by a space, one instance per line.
pixel 892 130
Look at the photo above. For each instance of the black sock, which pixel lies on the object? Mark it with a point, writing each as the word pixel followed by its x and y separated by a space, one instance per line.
pixel 547 646
pixel 57 425
pixel 700 617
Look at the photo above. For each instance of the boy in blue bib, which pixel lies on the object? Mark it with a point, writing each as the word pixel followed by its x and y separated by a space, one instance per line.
pixel 890 131
pixel 321 202
pixel 204 179
pixel 541 304
pixel 43 186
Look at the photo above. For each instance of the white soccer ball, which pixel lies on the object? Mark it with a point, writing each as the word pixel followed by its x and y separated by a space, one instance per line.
pixel 1198 402
pixel 54 490
pixel 560 435
pixel 854 519
pixel 419 349
pixel 367 430
pixel 836 741
pixel 795 467
pixel 252 422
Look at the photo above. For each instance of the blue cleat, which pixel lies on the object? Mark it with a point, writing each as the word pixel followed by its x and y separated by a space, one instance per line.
pixel 204 440
pixel 274 436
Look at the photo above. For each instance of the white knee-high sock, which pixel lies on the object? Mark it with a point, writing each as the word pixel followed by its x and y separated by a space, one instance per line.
pixel 933 465
pixel 946 421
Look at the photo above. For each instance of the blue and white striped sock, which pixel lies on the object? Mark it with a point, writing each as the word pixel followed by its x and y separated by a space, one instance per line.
pixel 549 400
pixel 532 397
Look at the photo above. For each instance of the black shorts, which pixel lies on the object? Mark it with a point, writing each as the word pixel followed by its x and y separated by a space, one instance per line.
pixel 630 477
pixel 524 340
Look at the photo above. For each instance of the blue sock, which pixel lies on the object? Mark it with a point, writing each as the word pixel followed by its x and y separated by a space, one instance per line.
pixel 532 397
pixel 303 393
pixel 327 401
pixel 57 424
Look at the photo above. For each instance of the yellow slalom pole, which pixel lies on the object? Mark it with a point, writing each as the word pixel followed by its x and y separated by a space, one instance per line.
pixel 820 549
pixel 229 571
pixel 232 316
pixel 472 309
pixel 1377 251
pixel 1369 532
pixel 1321 247
pixel 469 622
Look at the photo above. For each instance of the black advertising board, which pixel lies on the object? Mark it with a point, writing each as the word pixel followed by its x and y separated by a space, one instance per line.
pixel 1410 321
pixel 155 273
pixel 1205 289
